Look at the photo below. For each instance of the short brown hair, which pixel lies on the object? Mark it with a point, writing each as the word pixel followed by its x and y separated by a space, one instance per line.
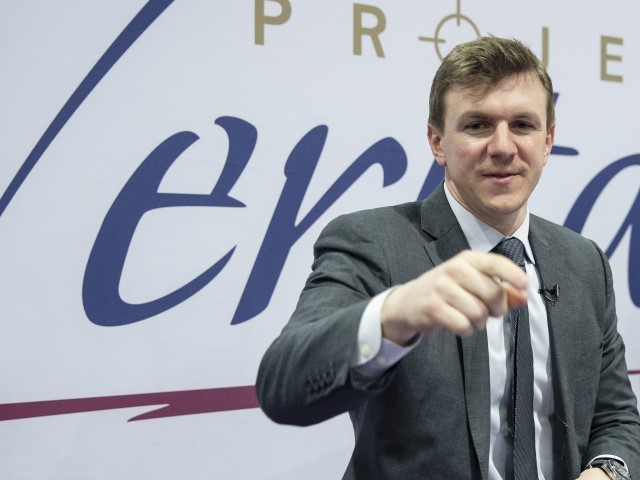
pixel 483 63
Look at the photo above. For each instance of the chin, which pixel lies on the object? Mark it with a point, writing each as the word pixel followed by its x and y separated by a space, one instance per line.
pixel 505 209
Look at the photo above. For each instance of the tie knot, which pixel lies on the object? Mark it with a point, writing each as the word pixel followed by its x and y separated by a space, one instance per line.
pixel 511 248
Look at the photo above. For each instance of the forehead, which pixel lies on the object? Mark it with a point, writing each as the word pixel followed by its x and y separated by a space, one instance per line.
pixel 520 92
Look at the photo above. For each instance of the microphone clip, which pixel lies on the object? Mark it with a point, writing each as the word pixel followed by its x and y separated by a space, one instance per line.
pixel 550 294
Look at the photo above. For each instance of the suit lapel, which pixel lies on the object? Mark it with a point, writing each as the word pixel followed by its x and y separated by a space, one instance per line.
pixel 439 222
pixel 475 356
pixel 553 271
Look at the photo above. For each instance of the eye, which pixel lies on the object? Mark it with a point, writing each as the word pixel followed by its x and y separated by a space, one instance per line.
pixel 523 126
pixel 477 127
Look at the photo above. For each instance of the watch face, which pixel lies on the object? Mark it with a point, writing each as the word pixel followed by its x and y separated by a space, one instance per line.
pixel 615 470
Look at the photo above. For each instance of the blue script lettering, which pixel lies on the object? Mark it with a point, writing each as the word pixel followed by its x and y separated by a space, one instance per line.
pixel 283 232
pixel 584 204
pixel 102 302
pixel 101 298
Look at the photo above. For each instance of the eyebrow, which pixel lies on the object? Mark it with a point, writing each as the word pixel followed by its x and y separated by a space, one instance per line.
pixel 479 115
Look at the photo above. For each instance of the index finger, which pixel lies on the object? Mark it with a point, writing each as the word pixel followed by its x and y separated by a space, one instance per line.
pixel 499 266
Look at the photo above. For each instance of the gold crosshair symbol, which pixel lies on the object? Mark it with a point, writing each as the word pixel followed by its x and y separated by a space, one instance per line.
pixel 459 18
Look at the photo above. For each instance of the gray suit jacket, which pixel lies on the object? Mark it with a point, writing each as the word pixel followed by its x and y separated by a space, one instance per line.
pixel 428 417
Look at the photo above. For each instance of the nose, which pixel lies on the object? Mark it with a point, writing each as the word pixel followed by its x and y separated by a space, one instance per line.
pixel 501 143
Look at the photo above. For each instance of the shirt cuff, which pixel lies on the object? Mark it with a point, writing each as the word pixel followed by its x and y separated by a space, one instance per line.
pixel 607 457
pixel 376 355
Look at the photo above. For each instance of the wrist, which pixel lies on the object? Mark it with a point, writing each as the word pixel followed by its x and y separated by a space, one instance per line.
pixel 394 327
pixel 398 333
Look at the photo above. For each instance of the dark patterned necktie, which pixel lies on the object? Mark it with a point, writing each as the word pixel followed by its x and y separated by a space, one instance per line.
pixel 521 421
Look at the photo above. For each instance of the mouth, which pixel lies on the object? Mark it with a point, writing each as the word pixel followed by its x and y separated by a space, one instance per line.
pixel 501 177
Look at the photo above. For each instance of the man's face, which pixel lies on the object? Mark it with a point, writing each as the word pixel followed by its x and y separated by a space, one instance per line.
pixel 494 148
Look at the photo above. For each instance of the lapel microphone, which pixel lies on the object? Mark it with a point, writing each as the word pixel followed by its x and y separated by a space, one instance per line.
pixel 550 294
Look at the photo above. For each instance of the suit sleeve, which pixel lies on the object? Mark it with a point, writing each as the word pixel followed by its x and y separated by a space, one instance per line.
pixel 615 427
pixel 305 376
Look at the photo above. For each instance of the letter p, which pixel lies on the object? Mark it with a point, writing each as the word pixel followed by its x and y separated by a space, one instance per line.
pixel 262 19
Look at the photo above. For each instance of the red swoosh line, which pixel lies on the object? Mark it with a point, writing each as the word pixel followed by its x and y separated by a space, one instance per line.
pixel 173 404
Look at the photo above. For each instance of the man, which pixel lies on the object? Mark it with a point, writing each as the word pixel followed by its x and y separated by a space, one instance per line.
pixel 411 323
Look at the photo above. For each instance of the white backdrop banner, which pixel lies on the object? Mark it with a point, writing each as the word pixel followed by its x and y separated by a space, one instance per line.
pixel 166 166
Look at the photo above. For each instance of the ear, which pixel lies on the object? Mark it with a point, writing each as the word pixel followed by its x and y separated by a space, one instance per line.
pixel 551 135
pixel 435 142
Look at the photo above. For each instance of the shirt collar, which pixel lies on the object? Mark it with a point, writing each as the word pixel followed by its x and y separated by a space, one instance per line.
pixel 482 237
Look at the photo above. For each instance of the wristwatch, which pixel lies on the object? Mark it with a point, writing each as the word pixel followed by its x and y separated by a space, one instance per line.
pixel 613 468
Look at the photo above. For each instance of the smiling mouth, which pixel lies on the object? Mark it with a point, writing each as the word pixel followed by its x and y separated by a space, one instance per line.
pixel 501 178
pixel 501 175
